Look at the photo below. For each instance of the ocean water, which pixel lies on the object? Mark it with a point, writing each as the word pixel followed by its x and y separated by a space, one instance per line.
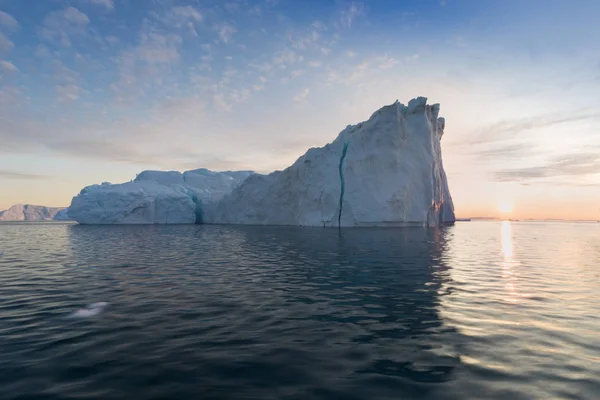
pixel 479 310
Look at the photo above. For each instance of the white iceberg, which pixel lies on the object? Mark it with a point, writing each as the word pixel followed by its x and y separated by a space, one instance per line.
pixel 386 171
pixel 154 197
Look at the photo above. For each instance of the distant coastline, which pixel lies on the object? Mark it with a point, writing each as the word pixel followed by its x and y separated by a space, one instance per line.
pixel 467 219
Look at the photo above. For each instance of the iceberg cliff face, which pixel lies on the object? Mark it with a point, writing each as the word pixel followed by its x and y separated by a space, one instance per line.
pixel 154 197
pixel 386 171
pixel 132 203
pixel 29 212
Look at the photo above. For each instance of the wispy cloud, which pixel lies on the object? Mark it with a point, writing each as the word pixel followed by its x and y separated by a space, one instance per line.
pixel 225 31
pixel 386 62
pixel 60 25
pixel 575 166
pixel 7 66
pixel 349 14
pixel 8 21
pixel 9 95
pixel 5 44
pixel 158 48
pixel 504 152
pixel 183 17
pixel 511 128
pixel 108 4
pixel 69 92
pixel 301 97
pixel 21 175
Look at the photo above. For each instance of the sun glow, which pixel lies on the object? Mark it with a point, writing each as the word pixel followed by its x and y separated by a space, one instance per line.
pixel 505 207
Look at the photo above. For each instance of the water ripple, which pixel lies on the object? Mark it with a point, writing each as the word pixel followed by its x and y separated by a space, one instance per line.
pixel 478 310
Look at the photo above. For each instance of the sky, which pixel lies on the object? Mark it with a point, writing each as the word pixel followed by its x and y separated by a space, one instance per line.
pixel 99 90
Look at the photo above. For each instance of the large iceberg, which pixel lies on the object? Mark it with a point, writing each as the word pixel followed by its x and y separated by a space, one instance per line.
pixel 30 212
pixel 386 171
pixel 154 197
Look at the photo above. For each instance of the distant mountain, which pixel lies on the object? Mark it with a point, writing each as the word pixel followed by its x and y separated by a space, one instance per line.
pixel 28 212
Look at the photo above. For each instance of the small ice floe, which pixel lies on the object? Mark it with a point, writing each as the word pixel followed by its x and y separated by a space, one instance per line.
pixel 90 310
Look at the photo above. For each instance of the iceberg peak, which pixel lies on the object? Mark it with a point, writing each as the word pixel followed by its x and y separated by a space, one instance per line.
pixel 386 171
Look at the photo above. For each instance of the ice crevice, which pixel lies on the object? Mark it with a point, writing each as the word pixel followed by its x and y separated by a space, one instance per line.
pixel 341 168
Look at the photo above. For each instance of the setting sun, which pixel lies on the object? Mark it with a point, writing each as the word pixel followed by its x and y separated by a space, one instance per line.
pixel 505 207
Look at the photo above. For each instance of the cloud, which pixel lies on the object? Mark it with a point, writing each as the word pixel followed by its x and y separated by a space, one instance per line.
pixel 68 92
pixel 512 151
pixel 21 175
pixel 41 51
pixel 5 44
pixel 574 166
pixel 109 4
pixel 183 16
pixel 412 58
pixel 8 95
pixel 158 48
pixel 512 128
pixel 60 25
pixel 386 62
pixel 286 58
pixel 7 66
pixel 8 21
pixel 348 15
pixel 225 32
pixel 219 100
pixel 62 73
pixel 112 40
pixel 315 64
pixel 301 97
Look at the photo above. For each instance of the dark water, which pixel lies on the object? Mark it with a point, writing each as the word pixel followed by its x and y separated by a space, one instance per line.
pixel 481 310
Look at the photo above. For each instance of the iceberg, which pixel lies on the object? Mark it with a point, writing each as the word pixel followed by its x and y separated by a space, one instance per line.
pixel 154 197
pixel 29 212
pixel 386 171
pixel 62 215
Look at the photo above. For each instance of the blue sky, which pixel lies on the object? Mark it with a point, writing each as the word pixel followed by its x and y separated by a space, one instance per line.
pixel 97 90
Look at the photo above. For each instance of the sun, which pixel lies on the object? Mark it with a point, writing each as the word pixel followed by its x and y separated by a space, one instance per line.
pixel 505 207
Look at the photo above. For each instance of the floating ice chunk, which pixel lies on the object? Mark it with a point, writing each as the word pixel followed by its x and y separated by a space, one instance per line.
pixel 90 311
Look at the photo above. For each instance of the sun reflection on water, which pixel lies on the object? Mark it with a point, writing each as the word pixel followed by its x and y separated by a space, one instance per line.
pixel 508 262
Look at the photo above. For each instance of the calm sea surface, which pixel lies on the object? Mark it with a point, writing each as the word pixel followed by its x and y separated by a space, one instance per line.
pixel 480 310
